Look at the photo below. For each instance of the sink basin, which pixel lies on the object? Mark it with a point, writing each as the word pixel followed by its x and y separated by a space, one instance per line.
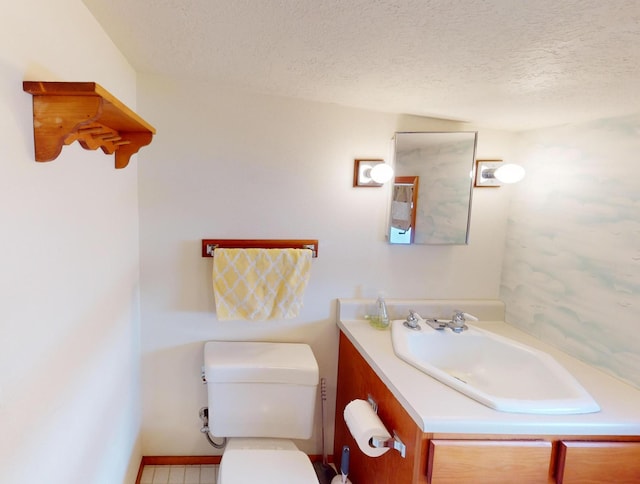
pixel 498 372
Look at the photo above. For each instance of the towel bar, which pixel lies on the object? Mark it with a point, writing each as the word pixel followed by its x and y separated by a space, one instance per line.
pixel 209 245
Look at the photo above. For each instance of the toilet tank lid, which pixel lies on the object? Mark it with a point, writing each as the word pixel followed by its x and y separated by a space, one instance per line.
pixel 258 362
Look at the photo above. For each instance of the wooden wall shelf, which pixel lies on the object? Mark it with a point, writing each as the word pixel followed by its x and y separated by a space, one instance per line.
pixel 64 112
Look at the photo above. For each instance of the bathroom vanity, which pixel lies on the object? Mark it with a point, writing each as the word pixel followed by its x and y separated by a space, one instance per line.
pixel 451 438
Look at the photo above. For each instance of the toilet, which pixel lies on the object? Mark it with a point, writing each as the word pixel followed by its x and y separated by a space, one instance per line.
pixel 261 395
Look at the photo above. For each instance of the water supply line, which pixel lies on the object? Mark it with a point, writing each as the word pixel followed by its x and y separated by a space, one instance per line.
pixel 204 416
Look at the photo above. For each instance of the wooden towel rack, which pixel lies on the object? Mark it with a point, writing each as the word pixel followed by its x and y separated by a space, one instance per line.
pixel 209 245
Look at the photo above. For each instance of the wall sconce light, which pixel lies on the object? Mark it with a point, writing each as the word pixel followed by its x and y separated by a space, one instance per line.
pixel 494 173
pixel 371 173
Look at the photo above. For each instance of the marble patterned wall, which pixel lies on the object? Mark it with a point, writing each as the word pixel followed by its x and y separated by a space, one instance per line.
pixel 571 273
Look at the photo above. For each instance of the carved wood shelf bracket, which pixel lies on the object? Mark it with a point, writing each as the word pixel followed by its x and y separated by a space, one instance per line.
pixel 64 112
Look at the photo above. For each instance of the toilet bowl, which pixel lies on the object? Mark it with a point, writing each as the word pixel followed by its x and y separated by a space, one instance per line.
pixel 261 395
pixel 265 461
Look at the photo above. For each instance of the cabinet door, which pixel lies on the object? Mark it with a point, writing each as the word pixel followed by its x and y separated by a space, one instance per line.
pixel 490 461
pixel 598 462
pixel 356 380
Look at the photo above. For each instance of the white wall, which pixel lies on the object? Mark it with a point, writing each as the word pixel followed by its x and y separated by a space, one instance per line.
pixel 572 263
pixel 229 164
pixel 69 315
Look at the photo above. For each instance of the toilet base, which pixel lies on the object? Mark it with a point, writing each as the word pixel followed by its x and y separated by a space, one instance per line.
pixel 267 461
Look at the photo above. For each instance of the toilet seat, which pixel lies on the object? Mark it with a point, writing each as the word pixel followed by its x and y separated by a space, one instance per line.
pixel 266 466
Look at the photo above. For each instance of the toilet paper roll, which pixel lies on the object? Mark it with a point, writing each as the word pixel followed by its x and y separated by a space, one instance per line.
pixel 364 423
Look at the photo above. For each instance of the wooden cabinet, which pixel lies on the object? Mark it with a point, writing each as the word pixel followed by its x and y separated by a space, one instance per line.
pixel 596 462
pixel 471 458
pixel 495 461
pixel 356 380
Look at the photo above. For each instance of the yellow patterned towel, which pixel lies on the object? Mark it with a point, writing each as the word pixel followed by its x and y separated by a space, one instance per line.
pixel 260 283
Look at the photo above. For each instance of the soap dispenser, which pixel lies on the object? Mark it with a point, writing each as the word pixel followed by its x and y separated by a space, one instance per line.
pixel 381 319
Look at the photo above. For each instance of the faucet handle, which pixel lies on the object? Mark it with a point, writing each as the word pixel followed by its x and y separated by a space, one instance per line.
pixel 458 317
pixel 462 316
pixel 458 321
pixel 412 320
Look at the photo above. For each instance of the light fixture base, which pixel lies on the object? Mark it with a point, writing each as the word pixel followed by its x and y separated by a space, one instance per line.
pixel 484 174
pixel 361 173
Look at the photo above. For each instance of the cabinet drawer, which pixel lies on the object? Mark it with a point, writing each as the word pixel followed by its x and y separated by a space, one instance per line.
pixel 494 461
pixel 598 462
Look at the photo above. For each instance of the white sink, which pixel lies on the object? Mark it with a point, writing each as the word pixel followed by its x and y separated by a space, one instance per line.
pixel 496 371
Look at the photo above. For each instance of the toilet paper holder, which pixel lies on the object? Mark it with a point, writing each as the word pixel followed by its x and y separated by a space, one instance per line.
pixel 393 443
pixel 381 442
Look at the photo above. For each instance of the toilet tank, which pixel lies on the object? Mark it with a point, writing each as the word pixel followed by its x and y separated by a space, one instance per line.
pixel 260 389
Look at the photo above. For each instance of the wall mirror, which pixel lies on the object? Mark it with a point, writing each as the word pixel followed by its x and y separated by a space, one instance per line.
pixel 440 207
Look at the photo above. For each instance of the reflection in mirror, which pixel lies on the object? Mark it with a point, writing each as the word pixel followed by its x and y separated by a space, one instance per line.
pixel 403 209
pixel 443 161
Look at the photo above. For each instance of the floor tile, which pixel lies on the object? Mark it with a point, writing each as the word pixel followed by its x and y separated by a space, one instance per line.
pixel 161 475
pixel 208 474
pixel 176 475
pixel 192 475
pixel 147 475
pixel 179 474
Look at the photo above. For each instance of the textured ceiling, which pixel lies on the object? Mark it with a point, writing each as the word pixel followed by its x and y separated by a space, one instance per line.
pixel 510 64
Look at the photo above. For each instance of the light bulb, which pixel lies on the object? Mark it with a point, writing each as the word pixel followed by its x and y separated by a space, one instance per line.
pixel 509 173
pixel 381 173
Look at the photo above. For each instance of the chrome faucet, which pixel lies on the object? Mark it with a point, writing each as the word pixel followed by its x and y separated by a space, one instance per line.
pixel 414 318
pixel 457 324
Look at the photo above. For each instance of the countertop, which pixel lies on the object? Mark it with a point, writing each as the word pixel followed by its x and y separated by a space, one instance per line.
pixel 436 408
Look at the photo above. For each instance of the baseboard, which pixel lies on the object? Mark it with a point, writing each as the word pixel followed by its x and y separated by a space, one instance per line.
pixel 180 460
